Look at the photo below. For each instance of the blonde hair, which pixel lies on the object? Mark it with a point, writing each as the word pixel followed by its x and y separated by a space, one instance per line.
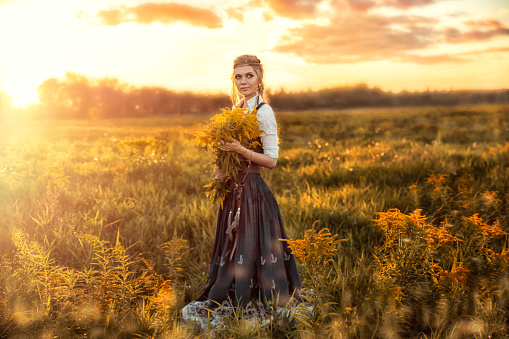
pixel 253 61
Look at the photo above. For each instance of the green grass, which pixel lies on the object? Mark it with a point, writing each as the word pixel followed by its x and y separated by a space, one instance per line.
pixel 138 184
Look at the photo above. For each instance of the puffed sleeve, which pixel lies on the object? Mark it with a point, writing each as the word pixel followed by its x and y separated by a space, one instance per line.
pixel 269 126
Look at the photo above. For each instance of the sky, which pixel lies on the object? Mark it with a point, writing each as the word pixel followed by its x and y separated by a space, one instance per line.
pixel 303 44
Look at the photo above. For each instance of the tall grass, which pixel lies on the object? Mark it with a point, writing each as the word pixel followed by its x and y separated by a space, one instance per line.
pixel 105 230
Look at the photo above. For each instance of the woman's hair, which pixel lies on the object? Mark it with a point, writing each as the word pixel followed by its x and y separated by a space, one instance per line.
pixel 253 61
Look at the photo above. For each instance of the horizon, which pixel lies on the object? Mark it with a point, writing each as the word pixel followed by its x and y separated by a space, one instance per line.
pixel 272 92
pixel 394 45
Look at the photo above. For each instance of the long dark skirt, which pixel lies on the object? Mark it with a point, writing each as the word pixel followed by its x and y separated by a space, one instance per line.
pixel 261 268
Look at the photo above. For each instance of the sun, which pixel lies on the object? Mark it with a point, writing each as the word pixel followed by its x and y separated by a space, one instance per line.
pixel 20 92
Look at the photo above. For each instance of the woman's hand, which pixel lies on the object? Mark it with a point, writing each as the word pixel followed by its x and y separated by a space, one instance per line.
pixel 218 175
pixel 232 146
pixel 240 104
pixel 258 158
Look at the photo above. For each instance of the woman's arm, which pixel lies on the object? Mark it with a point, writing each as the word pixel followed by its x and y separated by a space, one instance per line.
pixel 258 158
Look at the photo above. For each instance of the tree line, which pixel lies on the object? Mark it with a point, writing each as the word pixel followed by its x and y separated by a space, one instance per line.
pixel 79 97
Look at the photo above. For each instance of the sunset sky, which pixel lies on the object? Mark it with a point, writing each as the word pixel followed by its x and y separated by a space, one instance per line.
pixel 303 44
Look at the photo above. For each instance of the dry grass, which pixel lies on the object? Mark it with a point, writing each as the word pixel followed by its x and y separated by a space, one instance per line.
pixel 105 230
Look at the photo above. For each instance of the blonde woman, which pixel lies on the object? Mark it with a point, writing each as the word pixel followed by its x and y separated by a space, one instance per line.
pixel 249 264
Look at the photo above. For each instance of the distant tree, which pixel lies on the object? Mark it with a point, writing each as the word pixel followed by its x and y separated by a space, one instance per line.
pixel 110 100
pixel 78 94
pixel 78 97
pixel 51 97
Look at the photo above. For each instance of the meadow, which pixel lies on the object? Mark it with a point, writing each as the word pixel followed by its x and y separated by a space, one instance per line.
pixel 105 231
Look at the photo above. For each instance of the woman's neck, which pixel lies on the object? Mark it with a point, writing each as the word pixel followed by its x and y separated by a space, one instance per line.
pixel 243 102
pixel 245 105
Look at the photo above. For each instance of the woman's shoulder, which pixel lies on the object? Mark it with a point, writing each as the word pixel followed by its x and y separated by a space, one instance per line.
pixel 267 119
pixel 265 110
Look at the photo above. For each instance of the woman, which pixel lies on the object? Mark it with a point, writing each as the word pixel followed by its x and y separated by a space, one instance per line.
pixel 250 266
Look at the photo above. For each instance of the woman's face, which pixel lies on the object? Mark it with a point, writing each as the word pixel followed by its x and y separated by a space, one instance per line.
pixel 246 81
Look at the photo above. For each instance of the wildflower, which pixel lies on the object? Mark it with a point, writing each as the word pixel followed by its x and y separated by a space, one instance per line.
pixel 465 183
pixel 314 252
pixel 240 124
pixel 165 296
pixel 487 231
pixel 394 224
pixel 316 248
pixel 457 276
pixel 501 258
pixel 436 180
pixel 489 197
pixel 440 236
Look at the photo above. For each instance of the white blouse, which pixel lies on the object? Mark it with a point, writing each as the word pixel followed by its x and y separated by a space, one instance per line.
pixel 268 125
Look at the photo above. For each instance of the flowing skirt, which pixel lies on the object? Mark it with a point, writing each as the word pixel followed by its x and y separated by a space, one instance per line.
pixel 252 267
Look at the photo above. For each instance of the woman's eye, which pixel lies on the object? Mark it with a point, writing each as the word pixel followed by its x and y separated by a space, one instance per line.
pixel 249 75
pixel 237 77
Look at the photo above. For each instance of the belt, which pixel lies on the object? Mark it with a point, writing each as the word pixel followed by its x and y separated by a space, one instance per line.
pixel 244 168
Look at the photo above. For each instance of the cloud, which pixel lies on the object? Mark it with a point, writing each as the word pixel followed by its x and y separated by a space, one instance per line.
pixel 488 50
pixel 293 9
pixel 309 9
pixel 236 13
pixel 165 13
pixel 111 17
pixel 460 57
pixel 498 49
pixel 484 23
pixel 365 5
pixel 431 59
pixel 407 3
pixel 483 30
pixel 361 5
pixel 357 37
pixel 458 14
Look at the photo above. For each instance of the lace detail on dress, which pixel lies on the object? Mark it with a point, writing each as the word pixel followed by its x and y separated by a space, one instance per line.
pixel 209 314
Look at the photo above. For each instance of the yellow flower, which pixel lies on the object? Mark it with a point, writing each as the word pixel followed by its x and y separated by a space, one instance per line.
pixel 240 124
pixel 436 180
pixel 315 249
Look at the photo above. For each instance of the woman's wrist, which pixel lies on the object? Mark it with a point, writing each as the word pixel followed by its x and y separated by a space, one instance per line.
pixel 243 153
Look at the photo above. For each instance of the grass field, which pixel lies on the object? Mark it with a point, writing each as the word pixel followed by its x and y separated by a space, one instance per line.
pixel 105 231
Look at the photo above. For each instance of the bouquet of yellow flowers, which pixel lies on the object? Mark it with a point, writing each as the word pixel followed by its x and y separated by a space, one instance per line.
pixel 240 124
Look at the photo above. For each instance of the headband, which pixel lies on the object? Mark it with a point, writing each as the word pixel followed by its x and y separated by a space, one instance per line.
pixel 248 64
